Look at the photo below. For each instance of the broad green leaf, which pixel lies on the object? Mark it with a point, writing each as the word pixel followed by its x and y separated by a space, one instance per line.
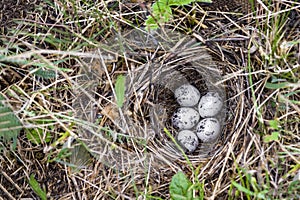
pixel 36 188
pixel 273 137
pixel 179 187
pixel 120 90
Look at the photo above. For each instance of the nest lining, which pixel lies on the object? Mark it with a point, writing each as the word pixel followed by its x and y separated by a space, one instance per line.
pixel 157 64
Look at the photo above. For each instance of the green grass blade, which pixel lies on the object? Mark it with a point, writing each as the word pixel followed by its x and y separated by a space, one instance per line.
pixel 36 188
pixel 242 188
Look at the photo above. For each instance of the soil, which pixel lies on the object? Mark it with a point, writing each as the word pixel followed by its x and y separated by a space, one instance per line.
pixel 55 176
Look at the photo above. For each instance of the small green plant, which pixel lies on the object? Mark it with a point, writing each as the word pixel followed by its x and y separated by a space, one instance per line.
pixel 179 187
pixel 182 188
pixel 162 12
pixel 248 186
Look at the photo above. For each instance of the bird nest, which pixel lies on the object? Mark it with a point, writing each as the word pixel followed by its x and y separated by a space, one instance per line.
pixel 155 64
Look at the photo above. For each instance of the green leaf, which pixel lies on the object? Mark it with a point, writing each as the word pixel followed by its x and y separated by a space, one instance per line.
pixel 179 187
pixel 160 7
pixel 151 23
pixel 180 2
pixel 274 124
pixel 204 1
pixel 161 12
pixel 242 188
pixel 275 86
pixel 273 137
pixel 185 2
pixel 36 188
pixel 120 90
pixel 46 74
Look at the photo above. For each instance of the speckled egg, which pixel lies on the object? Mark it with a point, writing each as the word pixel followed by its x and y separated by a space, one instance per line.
pixel 187 95
pixel 188 140
pixel 185 118
pixel 208 129
pixel 210 105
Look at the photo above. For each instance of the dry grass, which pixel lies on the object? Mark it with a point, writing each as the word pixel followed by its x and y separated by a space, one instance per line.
pixel 72 99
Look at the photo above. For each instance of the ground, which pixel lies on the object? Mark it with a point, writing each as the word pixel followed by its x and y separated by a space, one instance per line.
pixel 42 45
